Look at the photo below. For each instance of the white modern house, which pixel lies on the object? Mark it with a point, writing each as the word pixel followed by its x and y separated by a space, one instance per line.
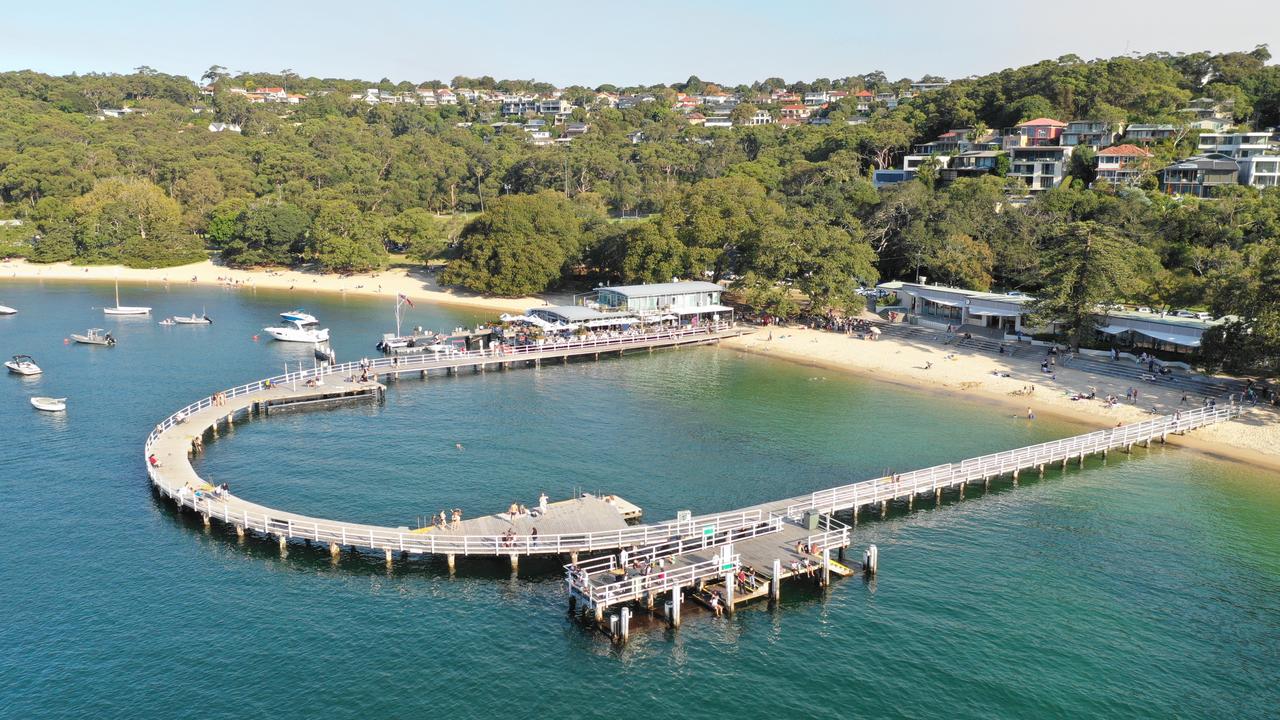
pixel 1252 151
pixel 1042 167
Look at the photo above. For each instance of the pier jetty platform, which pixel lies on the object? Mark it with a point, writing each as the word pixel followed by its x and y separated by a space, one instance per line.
pixel 720 560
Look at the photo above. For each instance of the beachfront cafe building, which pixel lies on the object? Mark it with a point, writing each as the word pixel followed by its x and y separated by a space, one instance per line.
pixel 982 313
pixel 686 303
pixel 998 316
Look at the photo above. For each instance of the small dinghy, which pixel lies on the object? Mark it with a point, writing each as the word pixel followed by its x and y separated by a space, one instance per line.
pixel 23 365
pixel 48 404
pixel 167 321
pixel 94 336
pixel 6 310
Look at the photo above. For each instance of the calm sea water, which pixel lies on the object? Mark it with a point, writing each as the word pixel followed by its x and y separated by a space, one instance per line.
pixel 1145 587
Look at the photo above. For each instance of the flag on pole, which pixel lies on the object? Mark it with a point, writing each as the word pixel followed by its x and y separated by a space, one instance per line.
pixel 405 299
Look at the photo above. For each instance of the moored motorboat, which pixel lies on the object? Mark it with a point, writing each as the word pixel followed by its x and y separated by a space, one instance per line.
pixel 299 316
pixel 23 365
pixel 6 310
pixel 49 404
pixel 193 320
pixel 296 331
pixel 94 336
pixel 167 321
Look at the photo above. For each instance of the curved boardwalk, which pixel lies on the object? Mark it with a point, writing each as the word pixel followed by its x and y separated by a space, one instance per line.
pixel 788 537
pixel 580 525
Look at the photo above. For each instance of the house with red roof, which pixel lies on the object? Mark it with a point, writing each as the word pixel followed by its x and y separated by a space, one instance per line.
pixel 1034 133
pixel 797 112
pixel 1123 164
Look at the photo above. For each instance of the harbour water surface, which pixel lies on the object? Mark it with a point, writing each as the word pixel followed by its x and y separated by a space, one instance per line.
pixel 1148 586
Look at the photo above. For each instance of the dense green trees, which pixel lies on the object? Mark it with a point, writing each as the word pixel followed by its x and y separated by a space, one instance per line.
pixel 1088 265
pixel 788 215
pixel 522 244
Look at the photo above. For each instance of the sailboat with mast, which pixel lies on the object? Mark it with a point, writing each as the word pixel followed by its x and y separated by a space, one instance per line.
pixel 124 309
pixel 395 343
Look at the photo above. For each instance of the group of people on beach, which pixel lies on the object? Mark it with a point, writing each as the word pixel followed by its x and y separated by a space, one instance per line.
pixel 833 323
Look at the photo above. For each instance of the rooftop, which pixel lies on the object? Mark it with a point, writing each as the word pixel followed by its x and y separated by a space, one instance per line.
pixel 671 288
pixel 1125 150
pixel 1043 121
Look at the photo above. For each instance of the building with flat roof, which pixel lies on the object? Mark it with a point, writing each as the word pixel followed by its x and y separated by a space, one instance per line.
pixel 996 315
pixel 685 300
pixel 1198 176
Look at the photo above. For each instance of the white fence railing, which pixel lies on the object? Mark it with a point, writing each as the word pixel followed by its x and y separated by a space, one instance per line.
pixel 646 538
pixel 704 537
pixel 327 531
pixel 635 587
pixel 929 479
pixel 390 365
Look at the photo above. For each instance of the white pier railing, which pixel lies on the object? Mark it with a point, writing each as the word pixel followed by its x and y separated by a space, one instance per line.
pixel 930 479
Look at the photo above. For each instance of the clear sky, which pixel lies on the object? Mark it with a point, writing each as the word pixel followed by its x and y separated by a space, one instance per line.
pixel 625 43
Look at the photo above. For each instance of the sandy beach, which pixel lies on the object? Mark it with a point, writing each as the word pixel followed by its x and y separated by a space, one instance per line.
pixel 965 375
pixel 418 285
pixel 969 375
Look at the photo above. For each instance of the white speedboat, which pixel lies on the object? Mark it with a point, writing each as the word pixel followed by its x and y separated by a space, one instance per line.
pixel 299 316
pixel 295 331
pixel 6 310
pixel 49 404
pixel 125 309
pixel 23 365
pixel 193 320
pixel 94 336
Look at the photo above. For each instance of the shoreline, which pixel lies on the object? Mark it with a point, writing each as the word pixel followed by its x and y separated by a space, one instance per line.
pixel 968 377
pixel 417 285
pixel 957 374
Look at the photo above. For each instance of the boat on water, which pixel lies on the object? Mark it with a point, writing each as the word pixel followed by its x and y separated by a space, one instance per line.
pixel 194 319
pixel 299 316
pixel 125 309
pixel 49 404
pixel 296 331
pixel 324 353
pixel 167 321
pixel 416 342
pixel 6 310
pixel 94 336
pixel 23 365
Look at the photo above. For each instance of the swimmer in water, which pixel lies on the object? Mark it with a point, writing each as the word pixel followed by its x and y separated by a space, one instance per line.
pixel 458 445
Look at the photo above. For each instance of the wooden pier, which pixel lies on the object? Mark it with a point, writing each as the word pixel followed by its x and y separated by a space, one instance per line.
pixel 698 555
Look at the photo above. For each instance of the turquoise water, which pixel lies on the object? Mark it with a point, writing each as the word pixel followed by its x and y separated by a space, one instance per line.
pixel 1145 587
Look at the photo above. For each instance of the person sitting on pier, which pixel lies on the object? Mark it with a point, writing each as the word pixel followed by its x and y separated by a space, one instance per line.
pixel 457 518
pixel 155 462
